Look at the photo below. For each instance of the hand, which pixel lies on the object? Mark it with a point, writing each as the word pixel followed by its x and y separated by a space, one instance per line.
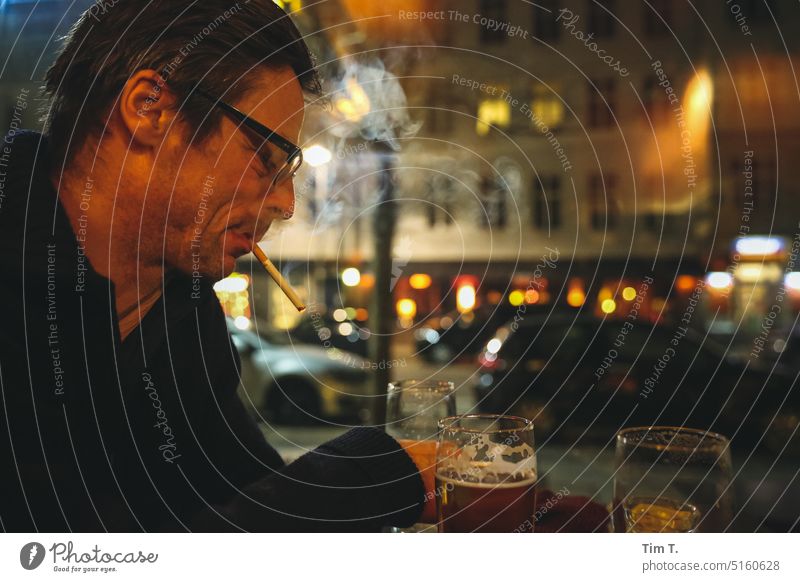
pixel 423 453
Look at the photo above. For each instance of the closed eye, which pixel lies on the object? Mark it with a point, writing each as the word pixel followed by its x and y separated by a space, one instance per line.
pixel 264 166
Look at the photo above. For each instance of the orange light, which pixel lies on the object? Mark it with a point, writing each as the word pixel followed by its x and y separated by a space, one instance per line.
pixel 362 314
pixel 684 283
pixel 576 297
pixel 419 281
pixel 465 298
pixel 531 296
pixel 367 280
pixel 605 293
pixel 494 297
pixel 406 308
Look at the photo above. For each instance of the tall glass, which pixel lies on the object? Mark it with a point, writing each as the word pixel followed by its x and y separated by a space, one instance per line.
pixel 413 409
pixel 672 479
pixel 486 474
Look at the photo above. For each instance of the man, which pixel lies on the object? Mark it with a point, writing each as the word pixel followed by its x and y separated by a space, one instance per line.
pixel 117 375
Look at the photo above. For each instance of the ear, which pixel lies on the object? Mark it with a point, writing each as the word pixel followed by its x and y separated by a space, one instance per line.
pixel 146 108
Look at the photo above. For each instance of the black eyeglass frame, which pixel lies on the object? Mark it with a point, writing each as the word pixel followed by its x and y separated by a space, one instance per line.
pixel 294 153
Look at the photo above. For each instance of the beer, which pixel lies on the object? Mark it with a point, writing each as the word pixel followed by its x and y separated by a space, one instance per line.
pixel 501 506
pixel 424 455
pixel 659 514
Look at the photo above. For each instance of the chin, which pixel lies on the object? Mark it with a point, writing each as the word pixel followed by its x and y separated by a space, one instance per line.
pixel 228 266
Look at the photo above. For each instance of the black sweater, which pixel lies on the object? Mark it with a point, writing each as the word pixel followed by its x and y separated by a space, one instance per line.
pixel 147 434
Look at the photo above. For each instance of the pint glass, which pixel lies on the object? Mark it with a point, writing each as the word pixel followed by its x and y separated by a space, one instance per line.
pixel 486 474
pixel 413 409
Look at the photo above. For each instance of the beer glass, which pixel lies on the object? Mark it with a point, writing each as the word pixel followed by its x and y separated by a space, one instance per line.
pixel 413 409
pixel 485 474
pixel 671 480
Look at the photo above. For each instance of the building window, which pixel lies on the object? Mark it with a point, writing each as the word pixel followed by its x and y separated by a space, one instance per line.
pixel 653 214
pixel 439 116
pixel 601 20
pixel 656 102
pixel 546 106
pixel 493 112
pixel 602 202
pixel 496 10
pixel 601 102
pixel 657 17
pixel 546 207
pixel 761 198
pixel 493 197
pixel 545 26
pixel 439 193
pixel 754 11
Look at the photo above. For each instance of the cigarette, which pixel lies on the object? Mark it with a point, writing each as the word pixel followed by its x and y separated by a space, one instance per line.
pixel 278 278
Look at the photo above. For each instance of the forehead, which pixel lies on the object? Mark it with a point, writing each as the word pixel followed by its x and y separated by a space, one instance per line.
pixel 276 100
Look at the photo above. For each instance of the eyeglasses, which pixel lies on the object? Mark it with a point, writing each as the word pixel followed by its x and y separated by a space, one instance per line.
pixel 294 154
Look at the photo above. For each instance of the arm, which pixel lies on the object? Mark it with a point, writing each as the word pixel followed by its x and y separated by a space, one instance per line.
pixel 360 481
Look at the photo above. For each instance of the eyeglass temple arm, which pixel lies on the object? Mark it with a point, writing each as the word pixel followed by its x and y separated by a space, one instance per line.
pixel 260 129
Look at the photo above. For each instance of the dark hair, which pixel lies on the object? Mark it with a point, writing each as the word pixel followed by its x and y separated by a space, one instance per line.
pixel 211 42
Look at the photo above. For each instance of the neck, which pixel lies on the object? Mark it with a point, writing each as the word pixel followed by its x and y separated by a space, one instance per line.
pixel 98 205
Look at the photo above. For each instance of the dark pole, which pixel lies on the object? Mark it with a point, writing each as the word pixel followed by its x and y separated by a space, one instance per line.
pixel 382 307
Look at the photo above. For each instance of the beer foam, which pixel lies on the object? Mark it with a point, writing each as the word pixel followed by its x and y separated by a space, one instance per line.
pixel 484 461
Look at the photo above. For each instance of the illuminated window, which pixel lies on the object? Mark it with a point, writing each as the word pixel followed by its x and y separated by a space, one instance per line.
pixel 289 5
pixel 494 112
pixel 547 107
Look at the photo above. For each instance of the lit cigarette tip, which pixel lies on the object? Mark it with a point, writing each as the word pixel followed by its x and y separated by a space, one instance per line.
pixel 278 278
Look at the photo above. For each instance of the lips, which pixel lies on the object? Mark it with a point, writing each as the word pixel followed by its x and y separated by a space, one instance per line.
pixel 238 240
pixel 240 232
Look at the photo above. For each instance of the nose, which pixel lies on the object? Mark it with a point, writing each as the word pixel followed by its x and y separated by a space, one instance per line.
pixel 281 199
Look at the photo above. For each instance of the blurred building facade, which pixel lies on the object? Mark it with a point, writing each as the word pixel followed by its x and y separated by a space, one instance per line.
pixel 633 138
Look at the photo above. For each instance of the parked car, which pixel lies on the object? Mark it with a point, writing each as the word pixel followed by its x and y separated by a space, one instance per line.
pixel 456 336
pixel 580 377
pixel 291 383
pixel 321 329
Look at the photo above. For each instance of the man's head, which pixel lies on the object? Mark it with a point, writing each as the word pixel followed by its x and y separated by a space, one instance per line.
pixel 192 179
